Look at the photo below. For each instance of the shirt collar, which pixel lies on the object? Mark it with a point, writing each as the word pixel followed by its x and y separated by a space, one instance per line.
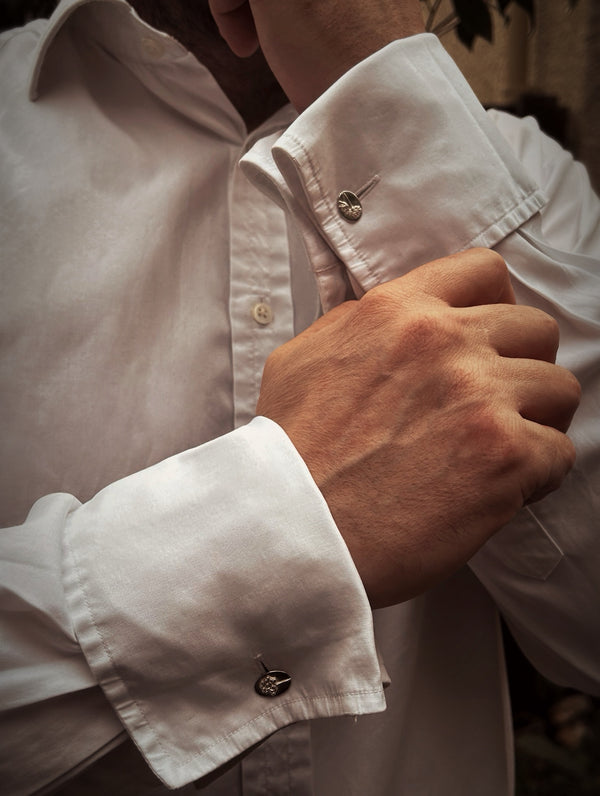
pixel 59 18
pixel 118 29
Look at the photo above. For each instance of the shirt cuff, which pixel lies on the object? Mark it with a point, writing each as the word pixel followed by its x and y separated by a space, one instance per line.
pixel 404 132
pixel 182 577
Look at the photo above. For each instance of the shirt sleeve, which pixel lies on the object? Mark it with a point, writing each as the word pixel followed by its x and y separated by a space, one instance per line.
pixel 542 569
pixel 435 174
pixel 432 172
pixel 176 583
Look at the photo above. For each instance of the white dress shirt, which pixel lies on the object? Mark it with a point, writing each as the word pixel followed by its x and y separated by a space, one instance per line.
pixel 145 280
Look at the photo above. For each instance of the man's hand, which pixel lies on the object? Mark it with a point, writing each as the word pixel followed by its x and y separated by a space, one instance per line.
pixel 309 44
pixel 428 413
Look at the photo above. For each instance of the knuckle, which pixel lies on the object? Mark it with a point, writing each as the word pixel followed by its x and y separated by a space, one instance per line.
pixel 494 263
pixel 547 327
pixel 431 331
pixel 423 329
pixel 499 438
pixel 494 260
pixel 383 311
pixel 462 385
pixel 560 460
pixel 551 329
pixel 564 455
pixel 381 302
pixel 572 388
pixel 570 454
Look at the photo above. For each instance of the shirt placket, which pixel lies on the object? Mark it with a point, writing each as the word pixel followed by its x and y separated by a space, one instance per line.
pixel 262 318
pixel 260 302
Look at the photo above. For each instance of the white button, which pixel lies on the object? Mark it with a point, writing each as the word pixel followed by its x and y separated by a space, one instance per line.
pixel 262 313
pixel 153 48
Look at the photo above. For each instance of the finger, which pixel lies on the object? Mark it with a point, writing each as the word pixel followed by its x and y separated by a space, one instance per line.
pixel 554 457
pixel 544 393
pixel 236 25
pixel 516 331
pixel 472 277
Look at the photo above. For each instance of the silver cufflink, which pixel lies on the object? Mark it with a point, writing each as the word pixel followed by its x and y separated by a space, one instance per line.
pixel 272 683
pixel 349 206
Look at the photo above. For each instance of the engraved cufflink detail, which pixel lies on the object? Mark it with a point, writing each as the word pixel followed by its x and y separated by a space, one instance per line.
pixel 349 206
pixel 272 683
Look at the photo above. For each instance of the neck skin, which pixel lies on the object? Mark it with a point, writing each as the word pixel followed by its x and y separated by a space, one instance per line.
pixel 248 83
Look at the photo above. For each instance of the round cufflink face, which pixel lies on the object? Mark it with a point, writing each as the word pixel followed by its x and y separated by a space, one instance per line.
pixel 272 683
pixel 349 206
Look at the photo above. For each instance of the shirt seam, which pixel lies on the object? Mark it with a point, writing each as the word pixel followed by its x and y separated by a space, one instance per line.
pixel 329 210
pixel 524 200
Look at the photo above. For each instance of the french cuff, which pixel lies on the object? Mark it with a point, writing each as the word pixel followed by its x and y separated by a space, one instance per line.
pixel 404 134
pixel 186 580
